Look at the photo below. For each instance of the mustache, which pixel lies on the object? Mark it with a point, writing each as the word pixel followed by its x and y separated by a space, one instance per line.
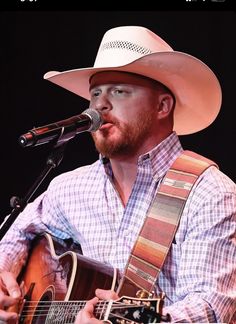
pixel 109 119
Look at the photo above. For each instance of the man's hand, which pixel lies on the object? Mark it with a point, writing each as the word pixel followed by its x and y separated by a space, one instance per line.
pixel 86 315
pixel 10 294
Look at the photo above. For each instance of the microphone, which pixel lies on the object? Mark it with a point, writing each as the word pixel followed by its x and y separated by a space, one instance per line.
pixel 90 120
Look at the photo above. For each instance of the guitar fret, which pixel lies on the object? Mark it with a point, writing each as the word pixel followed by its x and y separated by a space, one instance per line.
pixel 63 312
pixel 100 309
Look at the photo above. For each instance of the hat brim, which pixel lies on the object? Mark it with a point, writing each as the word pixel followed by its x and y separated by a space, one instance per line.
pixel 195 86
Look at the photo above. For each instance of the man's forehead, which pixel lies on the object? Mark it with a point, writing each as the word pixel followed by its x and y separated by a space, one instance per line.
pixel 120 77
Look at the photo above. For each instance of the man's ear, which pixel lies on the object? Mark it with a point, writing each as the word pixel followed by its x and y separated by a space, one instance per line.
pixel 166 105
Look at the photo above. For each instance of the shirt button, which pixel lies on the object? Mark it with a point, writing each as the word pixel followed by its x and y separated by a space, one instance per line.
pixel 156 177
pixel 126 232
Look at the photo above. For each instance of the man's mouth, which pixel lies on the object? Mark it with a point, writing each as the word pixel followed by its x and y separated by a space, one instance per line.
pixel 106 125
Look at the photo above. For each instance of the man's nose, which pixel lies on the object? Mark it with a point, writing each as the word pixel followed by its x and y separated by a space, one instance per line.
pixel 102 104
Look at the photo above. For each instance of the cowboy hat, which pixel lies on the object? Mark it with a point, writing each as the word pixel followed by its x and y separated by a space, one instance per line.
pixel 138 50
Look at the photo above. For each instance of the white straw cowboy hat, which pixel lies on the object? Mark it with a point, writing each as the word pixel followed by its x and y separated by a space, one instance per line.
pixel 138 50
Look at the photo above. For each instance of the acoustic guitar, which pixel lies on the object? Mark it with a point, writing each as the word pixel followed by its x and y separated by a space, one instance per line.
pixel 58 281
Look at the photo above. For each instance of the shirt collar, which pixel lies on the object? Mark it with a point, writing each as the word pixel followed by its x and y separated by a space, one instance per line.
pixel 160 158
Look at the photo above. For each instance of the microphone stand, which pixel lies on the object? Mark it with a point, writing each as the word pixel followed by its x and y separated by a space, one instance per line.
pixel 53 160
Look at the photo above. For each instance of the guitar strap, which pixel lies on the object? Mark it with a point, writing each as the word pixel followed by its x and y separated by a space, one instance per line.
pixel 158 231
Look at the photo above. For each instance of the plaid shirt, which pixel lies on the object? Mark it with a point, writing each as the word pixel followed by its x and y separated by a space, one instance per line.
pixel 199 275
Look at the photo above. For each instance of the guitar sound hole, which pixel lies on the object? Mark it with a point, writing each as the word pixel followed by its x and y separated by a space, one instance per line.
pixel 42 309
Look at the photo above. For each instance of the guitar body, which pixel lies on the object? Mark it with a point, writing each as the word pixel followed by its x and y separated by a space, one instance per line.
pixel 54 273
pixel 58 280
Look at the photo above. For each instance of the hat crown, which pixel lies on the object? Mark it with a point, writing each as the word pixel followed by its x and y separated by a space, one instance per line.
pixel 123 45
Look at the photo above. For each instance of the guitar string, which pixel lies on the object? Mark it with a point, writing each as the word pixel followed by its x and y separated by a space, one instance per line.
pixel 72 319
pixel 74 302
pixel 67 315
pixel 31 308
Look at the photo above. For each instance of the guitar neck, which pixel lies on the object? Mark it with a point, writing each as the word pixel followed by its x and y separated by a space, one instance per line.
pixel 66 312
pixel 126 309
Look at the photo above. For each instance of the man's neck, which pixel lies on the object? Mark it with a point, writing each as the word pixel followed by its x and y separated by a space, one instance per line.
pixel 124 175
pixel 125 166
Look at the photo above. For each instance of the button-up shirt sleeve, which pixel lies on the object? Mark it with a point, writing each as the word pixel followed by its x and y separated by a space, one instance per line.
pixel 200 272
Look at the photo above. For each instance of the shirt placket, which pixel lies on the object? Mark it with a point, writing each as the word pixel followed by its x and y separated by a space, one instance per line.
pixel 134 213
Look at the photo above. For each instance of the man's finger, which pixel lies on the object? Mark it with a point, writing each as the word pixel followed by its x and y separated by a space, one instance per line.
pixel 7 301
pixel 89 306
pixel 86 315
pixel 7 316
pixel 10 285
pixel 106 294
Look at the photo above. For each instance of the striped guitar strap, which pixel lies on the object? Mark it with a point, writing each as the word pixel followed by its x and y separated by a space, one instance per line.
pixel 158 231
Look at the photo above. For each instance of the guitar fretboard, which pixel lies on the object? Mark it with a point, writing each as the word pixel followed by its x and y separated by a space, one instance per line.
pixel 58 312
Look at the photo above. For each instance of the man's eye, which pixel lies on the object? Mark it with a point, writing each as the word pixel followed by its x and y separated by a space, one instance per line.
pixel 119 91
pixel 95 94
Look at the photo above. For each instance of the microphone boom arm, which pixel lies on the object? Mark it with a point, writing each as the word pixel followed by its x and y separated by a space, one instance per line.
pixel 53 160
pixel 61 133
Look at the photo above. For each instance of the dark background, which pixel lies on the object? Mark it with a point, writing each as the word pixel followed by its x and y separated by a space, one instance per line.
pixel 34 42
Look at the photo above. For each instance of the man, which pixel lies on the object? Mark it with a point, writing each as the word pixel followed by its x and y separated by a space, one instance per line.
pixel 146 94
